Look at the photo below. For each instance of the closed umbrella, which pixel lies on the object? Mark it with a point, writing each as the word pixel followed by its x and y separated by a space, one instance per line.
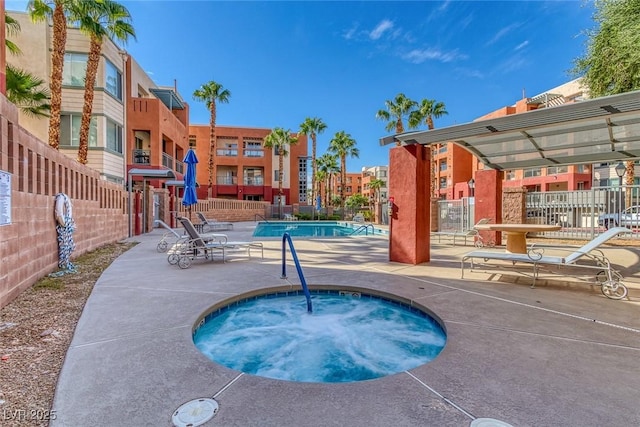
pixel 190 197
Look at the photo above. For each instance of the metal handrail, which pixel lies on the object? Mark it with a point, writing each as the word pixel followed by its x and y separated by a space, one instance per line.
pixel 255 218
pixel 286 237
pixel 365 227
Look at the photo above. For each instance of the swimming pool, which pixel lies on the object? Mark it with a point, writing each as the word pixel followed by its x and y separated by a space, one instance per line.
pixel 350 336
pixel 312 229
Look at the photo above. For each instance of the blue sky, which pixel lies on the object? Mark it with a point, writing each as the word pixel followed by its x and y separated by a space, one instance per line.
pixel 340 61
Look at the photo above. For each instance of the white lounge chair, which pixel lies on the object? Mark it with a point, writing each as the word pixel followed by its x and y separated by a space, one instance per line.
pixel 590 257
pixel 195 246
pixel 213 224
pixel 164 242
pixel 478 241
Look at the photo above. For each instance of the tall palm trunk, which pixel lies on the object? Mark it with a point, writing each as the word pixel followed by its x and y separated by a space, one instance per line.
pixel 432 161
pixel 57 64
pixel 343 178
pixel 629 180
pixel 89 84
pixel 314 169
pixel 212 148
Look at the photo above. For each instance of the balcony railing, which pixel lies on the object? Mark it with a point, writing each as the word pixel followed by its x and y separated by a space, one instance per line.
pixel 167 161
pixel 179 166
pixel 227 152
pixel 253 153
pixel 254 181
pixel 141 157
pixel 227 180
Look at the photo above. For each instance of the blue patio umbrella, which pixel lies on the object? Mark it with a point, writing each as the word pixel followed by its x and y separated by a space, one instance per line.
pixel 190 197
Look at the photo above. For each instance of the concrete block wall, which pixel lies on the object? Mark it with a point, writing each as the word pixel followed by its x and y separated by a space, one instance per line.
pixel 28 244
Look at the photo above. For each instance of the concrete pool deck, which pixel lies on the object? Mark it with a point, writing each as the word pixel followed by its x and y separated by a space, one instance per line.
pixel 560 354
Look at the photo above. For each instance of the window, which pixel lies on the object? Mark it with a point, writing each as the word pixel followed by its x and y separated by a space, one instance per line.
pixel 584 169
pixel 70 130
pixel 75 68
pixel 276 176
pixel 114 136
pixel 443 182
pixel 510 175
pixel 113 83
pixel 253 176
pixel 192 141
pixel 443 165
pixel 553 170
pixel 253 149
pixel 528 173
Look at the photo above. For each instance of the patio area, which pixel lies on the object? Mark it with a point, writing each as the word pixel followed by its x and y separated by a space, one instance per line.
pixel 560 354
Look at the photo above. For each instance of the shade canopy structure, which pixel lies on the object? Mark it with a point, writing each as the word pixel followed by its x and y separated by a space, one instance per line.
pixel 603 129
pixel 145 174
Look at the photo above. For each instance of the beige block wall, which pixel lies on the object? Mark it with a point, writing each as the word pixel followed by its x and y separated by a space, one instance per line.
pixel 28 245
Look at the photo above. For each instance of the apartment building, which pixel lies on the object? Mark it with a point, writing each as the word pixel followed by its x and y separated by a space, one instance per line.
pixel 369 173
pixel 245 170
pixel 135 123
pixel 455 166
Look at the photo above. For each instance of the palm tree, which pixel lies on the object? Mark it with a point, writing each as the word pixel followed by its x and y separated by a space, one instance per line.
pixel 98 20
pixel 396 111
pixel 321 177
pixel 343 145
pixel 375 185
pixel 328 167
pixel 312 127
pixel 280 140
pixel 40 10
pixel 23 88
pixel 428 109
pixel 211 93
pixel 12 28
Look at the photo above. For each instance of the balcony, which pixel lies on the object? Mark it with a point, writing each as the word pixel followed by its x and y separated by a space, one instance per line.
pixel 141 157
pixel 167 161
pixel 253 153
pixel 225 152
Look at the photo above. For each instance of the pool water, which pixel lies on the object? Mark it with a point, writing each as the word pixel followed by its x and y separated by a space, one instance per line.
pixel 308 229
pixel 345 339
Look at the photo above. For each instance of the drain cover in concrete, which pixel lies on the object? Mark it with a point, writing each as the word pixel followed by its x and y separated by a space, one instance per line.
pixel 488 422
pixel 195 412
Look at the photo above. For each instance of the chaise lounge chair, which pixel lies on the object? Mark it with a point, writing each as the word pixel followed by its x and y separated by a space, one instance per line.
pixel 212 224
pixel 195 246
pixel 587 257
pixel 471 233
pixel 163 244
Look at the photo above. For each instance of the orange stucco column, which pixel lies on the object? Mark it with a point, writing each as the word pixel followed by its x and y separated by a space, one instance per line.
pixel 488 200
pixel 3 52
pixel 409 174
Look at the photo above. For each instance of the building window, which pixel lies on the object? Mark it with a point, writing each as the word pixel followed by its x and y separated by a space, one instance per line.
pixel 554 170
pixel 443 182
pixel 581 186
pixel 113 84
pixel 253 176
pixel 253 149
pixel 192 141
pixel 443 165
pixel 114 137
pixel 75 69
pixel 510 175
pixel 529 173
pixel 276 175
pixel 70 130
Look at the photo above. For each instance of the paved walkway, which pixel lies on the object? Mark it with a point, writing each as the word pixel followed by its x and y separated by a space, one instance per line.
pixel 558 355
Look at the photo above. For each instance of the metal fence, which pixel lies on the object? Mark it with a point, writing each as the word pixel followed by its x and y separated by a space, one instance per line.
pixel 583 214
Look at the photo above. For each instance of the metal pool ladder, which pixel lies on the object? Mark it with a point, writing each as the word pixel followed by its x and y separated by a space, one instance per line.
pixel 365 227
pixel 305 289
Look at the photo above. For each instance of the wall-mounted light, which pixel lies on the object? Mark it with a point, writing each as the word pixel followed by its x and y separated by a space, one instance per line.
pixel 472 186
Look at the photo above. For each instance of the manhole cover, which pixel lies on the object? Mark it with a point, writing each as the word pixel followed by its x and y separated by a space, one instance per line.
pixel 488 422
pixel 195 412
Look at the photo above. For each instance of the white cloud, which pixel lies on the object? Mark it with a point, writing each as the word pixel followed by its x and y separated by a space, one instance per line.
pixel 521 45
pixel 418 56
pixel 350 33
pixel 502 32
pixel 380 29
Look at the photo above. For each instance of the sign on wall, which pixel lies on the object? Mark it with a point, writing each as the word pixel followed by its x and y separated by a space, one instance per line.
pixel 5 198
